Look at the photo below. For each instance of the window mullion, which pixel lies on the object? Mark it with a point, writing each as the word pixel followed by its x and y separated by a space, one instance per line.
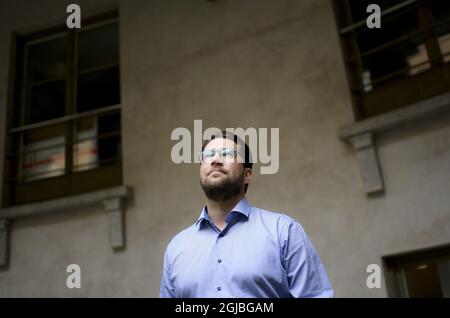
pixel 70 100
pixel 356 70
pixel 24 99
pixel 431 43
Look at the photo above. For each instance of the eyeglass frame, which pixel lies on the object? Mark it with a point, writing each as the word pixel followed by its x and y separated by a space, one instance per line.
pixel 235 151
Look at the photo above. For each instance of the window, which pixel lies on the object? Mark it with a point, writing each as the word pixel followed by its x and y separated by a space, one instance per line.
pixel 63 128
pixel 422 274
pixel 404 61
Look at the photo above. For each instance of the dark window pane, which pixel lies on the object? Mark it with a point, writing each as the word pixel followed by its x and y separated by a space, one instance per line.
pixel 407 58
pixel 393 27
pixel 98 89
pixel 109 148
pixel 440 10
pixel 394 50
pixel 423 280
pixel 97 47
pixel 109 143
pixel 46 101
pixel 46 60
pixel 109 123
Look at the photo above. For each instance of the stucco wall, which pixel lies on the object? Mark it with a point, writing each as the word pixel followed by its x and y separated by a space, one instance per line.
pixel 245 64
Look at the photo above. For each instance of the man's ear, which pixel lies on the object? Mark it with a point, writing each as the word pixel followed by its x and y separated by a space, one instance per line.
pixel 248 174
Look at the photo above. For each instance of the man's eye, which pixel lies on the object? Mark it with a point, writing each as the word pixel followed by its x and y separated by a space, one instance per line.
pixel 208 154
pixel 228 153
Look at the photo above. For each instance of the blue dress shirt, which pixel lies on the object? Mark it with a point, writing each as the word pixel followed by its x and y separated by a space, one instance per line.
pixel 258 254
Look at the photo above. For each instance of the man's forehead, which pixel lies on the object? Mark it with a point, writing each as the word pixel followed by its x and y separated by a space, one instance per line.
pixel 220 142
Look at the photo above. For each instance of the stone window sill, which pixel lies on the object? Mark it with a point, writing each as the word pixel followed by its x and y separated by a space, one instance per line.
pixel 112 199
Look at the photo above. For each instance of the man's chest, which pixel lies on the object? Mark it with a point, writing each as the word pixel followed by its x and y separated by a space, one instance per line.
pixel 238 261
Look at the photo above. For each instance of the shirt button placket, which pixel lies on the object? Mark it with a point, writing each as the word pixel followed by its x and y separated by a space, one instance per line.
pixel 217 282
pixel 219 261
pixel 218 270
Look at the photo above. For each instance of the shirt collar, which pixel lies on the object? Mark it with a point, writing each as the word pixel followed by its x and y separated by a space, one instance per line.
pixel 242 207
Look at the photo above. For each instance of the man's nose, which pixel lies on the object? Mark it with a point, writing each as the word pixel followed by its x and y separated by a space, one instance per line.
pixel 217 159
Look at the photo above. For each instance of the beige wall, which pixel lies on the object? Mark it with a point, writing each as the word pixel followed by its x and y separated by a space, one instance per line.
pixel 233 63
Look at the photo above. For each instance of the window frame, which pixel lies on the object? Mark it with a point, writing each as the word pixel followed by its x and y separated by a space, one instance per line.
pixel 396 283
pixel 16 192
pixel 405 90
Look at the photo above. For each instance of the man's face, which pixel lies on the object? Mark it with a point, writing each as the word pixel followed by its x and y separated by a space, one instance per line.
pixel 223 178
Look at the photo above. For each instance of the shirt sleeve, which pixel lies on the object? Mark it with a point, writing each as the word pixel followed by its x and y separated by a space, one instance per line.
pixel 305 272
pixel 167 289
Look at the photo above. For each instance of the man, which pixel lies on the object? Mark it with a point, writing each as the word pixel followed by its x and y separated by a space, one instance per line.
pixel 235 249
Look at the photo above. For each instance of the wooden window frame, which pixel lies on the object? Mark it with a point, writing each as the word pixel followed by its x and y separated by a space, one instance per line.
pixel 105 176
pixel 394 93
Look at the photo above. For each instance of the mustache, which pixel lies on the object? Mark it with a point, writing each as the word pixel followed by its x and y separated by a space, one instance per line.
pixel 217 169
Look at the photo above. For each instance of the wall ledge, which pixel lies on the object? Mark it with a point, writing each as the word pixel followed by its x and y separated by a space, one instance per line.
pixel 362 135
pixel 113 201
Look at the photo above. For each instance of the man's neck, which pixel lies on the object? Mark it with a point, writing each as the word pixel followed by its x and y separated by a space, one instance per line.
pixel 218 210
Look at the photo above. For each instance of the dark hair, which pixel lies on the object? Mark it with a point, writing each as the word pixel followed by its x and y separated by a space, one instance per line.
pixel 231 136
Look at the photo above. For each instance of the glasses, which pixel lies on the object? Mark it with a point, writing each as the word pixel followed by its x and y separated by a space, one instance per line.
pixel 226 154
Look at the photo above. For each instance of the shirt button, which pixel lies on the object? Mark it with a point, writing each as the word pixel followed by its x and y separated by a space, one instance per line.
pixel 219 288
pixel 219 260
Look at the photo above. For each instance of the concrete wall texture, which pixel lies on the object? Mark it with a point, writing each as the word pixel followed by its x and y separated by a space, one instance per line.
pixel 232 63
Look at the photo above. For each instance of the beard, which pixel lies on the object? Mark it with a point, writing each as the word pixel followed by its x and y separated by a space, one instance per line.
pixel 223 190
